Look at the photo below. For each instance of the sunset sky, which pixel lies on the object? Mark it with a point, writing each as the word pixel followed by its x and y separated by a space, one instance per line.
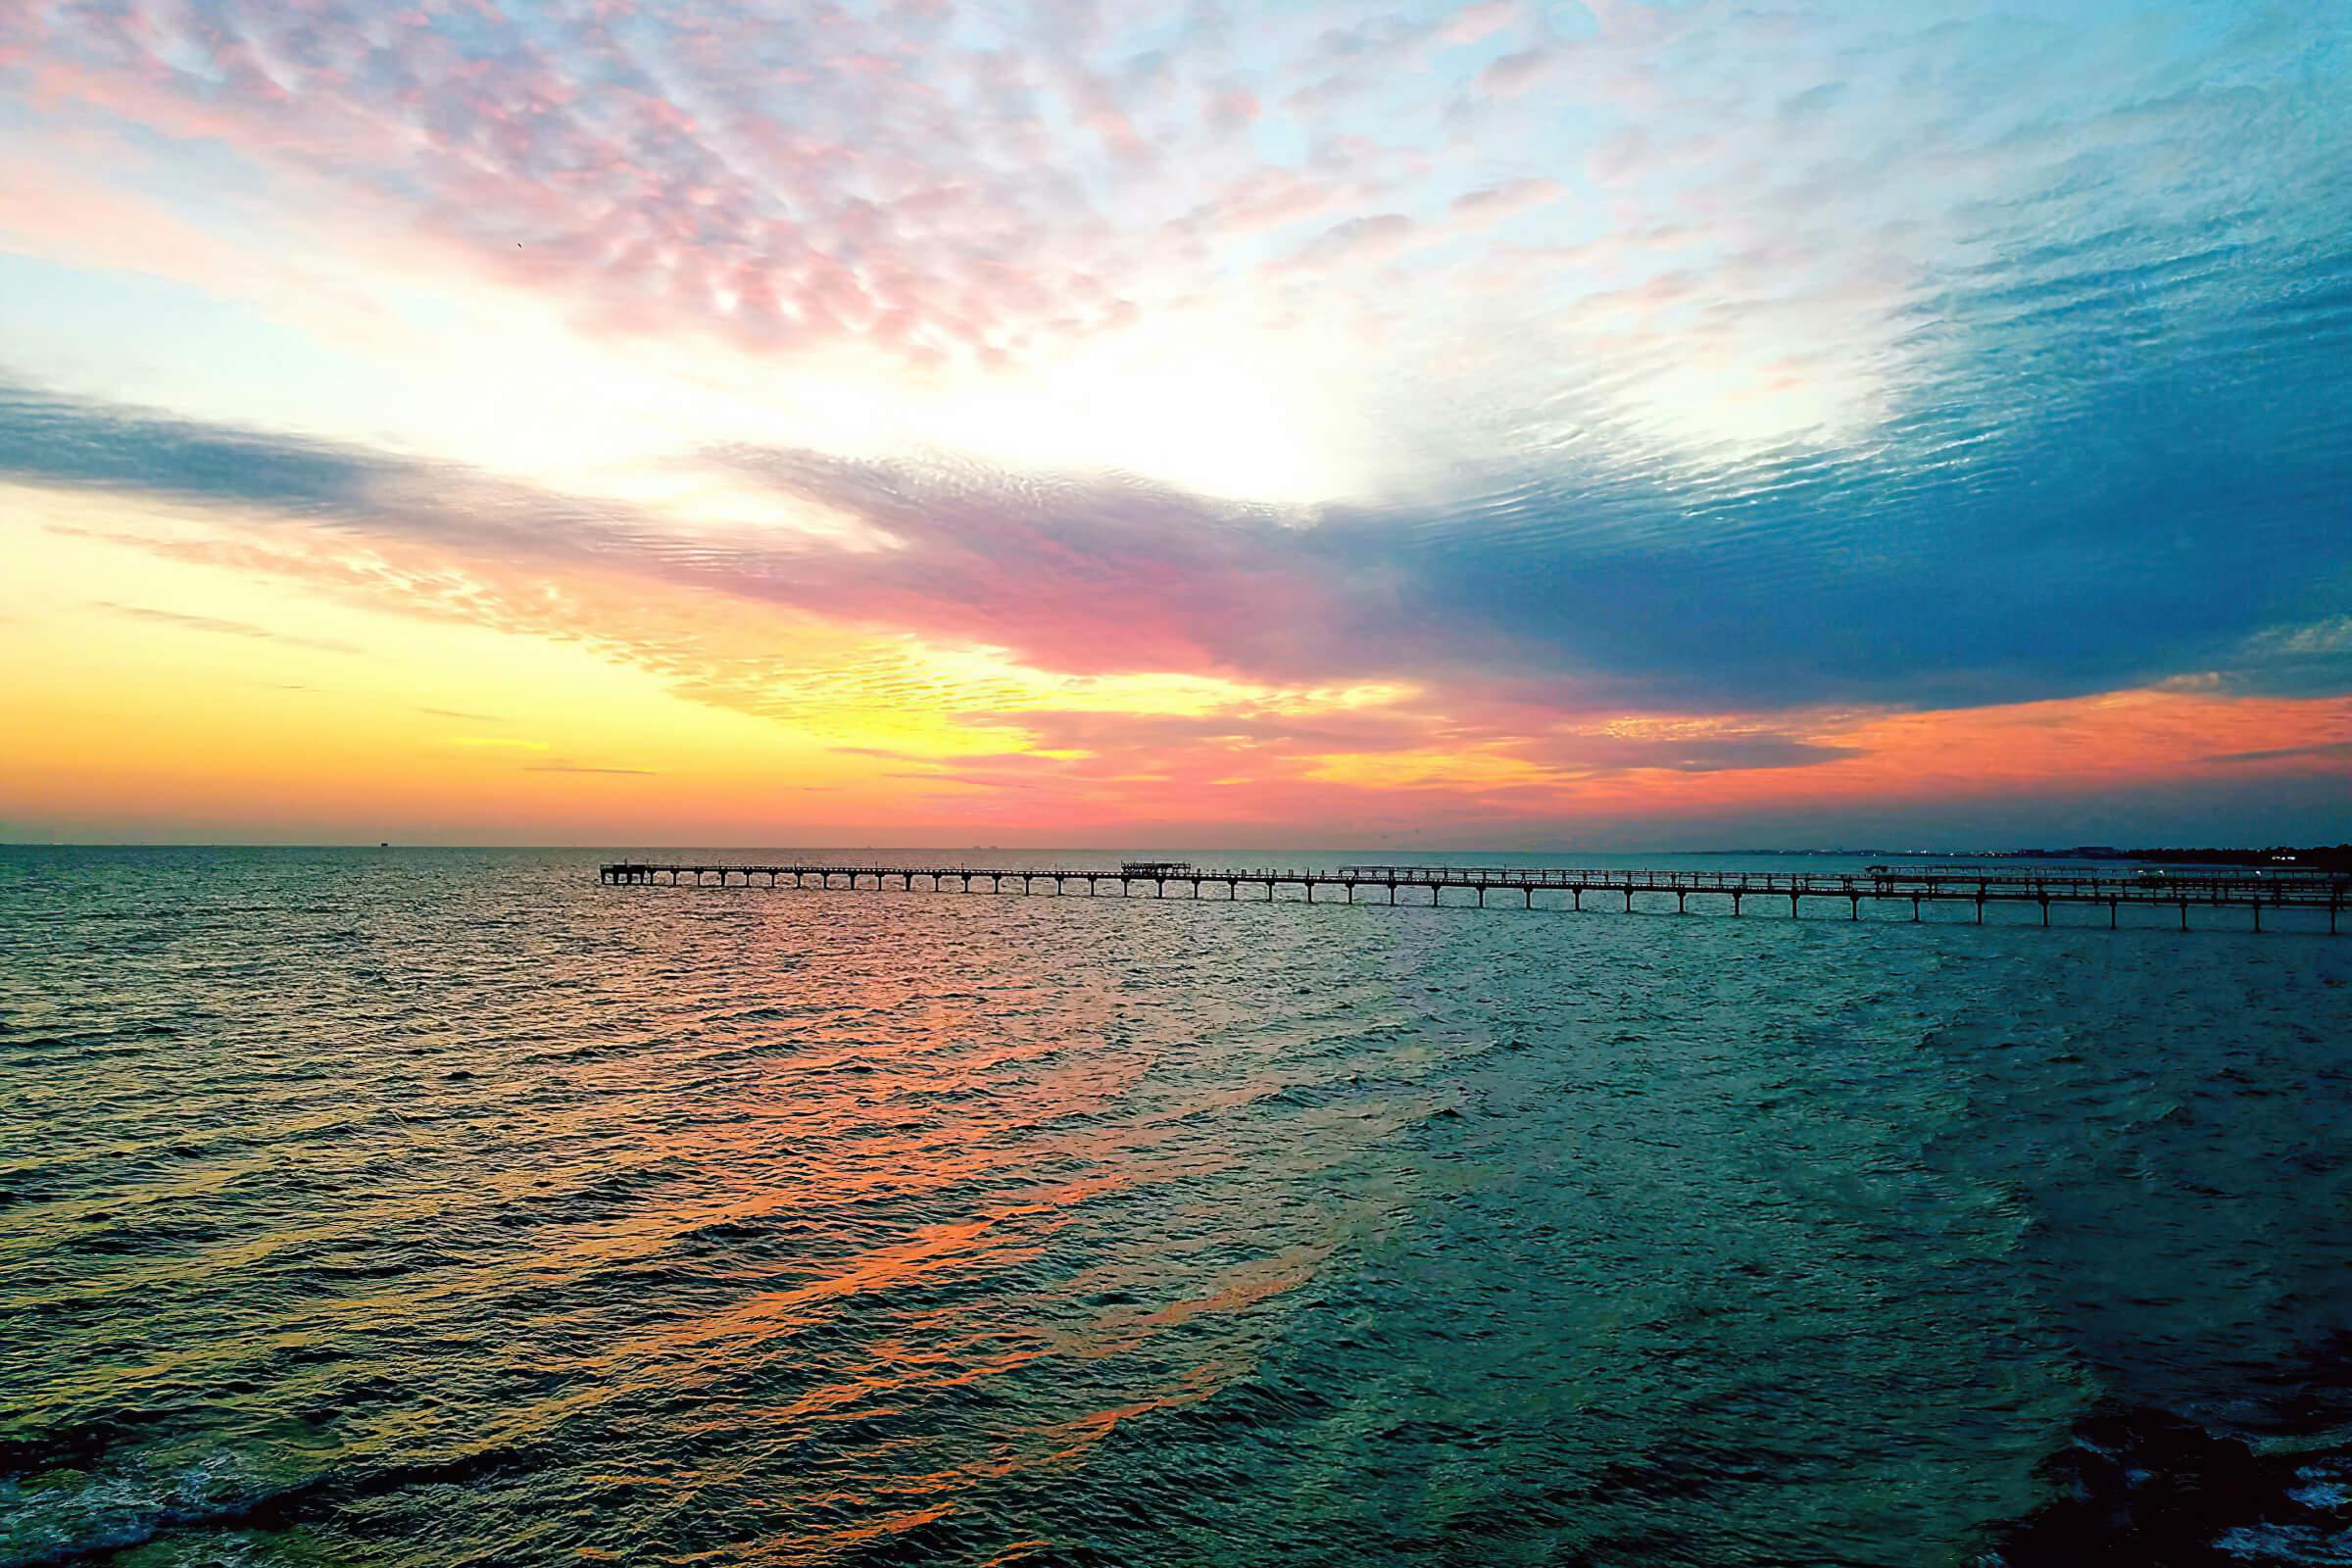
pixel 1520 423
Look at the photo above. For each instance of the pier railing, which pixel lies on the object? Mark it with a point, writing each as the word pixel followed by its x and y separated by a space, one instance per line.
pixel 2256 893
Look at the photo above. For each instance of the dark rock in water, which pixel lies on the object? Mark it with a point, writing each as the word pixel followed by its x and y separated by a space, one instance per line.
pixel 27 1451
pixel 2154 1490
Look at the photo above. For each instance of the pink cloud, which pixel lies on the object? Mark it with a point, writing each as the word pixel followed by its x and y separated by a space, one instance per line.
pixel 1480 18
pixel 1355 241
pixel 1234 109
pixel 1493 204
pixel 1516 72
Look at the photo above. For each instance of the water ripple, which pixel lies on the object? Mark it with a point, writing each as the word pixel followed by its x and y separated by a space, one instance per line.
pixel 409 1209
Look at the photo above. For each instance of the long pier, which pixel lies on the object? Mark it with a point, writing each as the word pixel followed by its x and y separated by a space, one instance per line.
pixel 1878 885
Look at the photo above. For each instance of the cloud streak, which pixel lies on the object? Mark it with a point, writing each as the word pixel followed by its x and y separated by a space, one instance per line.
pixel 1788 592
pixel 577 767
pixel 2322 752
pixel 225 628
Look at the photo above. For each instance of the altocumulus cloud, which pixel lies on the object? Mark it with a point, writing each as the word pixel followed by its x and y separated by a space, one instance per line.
pixel 1857 353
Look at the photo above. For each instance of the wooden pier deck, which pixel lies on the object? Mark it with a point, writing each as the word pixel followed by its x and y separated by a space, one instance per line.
pixel 2183 891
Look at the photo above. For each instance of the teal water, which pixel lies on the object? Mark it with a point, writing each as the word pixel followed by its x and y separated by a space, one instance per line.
pixel 418 1207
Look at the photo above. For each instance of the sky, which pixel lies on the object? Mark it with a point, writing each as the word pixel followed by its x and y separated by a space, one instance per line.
pixel 1494 425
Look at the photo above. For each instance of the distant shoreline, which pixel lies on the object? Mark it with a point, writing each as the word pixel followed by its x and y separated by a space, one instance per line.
pixel 2323 857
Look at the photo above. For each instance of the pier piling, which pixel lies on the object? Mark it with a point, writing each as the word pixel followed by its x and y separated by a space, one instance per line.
pixel 2040 889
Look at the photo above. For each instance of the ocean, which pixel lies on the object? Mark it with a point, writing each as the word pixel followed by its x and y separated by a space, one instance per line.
pixel 413 1207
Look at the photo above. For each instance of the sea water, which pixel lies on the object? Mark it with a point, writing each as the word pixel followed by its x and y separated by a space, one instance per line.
pixel 416 1207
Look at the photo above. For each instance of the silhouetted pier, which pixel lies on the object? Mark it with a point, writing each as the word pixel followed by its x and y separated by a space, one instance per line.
pixel 2163 890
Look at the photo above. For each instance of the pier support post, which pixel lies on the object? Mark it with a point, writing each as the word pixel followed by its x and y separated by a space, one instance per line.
pixel 2114 892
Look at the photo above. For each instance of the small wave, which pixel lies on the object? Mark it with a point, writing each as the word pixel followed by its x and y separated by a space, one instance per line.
pixel 114 1514
pixel 98 1516
pixel 2285 1544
